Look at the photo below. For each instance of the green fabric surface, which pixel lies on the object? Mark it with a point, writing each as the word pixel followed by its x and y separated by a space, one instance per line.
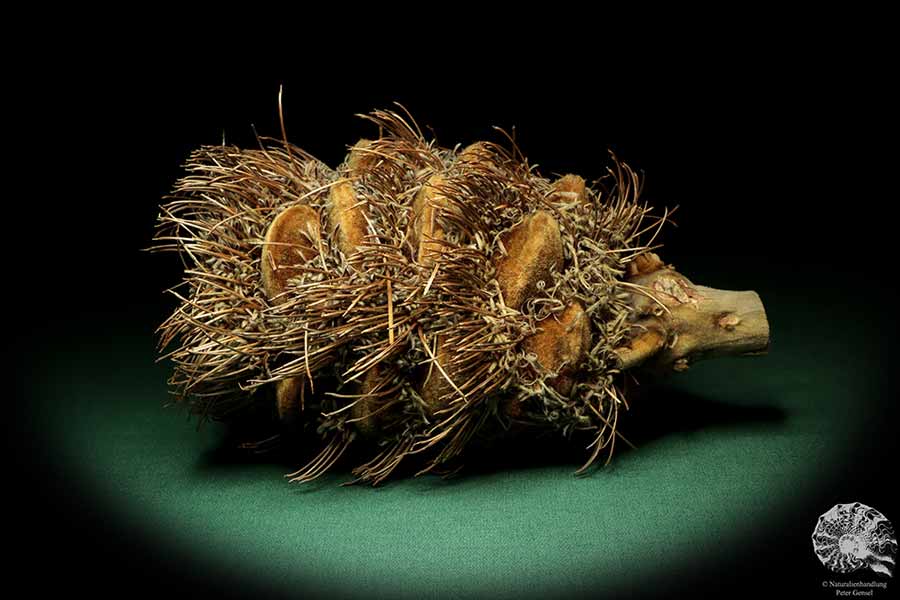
pixel 777 426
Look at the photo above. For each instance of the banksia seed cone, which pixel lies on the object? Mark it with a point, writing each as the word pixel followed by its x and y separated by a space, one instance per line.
pixel 417 296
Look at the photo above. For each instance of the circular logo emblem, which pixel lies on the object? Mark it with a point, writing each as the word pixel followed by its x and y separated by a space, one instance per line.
pixel 854 536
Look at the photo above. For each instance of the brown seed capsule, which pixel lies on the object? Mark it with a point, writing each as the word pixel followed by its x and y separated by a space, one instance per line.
pixel 288 394
pixel 291 242
pixel 560 344
pixel 568 189
pixel 644 264
pixel 361 157
pixel 425 231
pixel 533 251
pixel 346 217
pixel 364 407
pixel 437 390
pixel 473 154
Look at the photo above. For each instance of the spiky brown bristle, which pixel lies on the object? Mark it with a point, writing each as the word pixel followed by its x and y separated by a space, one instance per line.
pixel 427 284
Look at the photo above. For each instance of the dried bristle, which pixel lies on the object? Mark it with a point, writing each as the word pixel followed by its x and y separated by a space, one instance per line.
pixel 428 284
pixel 533 251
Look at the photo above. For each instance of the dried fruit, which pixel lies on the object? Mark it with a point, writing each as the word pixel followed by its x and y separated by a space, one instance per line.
pixel 418 296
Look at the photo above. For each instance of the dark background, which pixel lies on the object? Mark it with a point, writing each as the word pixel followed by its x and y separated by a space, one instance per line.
pixel 777 151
